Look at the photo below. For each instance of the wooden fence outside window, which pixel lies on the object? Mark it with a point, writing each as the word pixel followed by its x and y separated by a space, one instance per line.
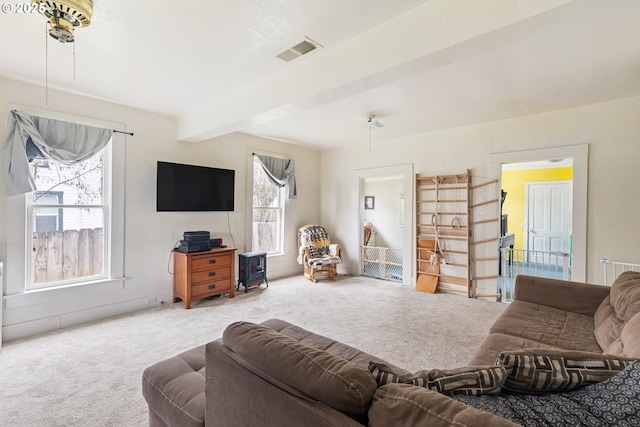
pixel 69 254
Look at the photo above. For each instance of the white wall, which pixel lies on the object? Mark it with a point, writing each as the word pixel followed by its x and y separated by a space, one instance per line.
pixel 385 216
pixel 612 130
pixel 150 235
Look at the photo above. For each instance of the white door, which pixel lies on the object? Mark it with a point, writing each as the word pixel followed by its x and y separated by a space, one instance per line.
pixel 548 227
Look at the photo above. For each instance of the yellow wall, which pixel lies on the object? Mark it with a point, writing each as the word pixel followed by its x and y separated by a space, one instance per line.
pixel 513 182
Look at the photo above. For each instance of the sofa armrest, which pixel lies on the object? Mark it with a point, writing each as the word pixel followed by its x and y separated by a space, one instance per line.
pixel 575 297
pixel 240 395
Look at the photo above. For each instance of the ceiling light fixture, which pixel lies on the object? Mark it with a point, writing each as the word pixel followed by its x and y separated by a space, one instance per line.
pixel 371 123
pixel 64 16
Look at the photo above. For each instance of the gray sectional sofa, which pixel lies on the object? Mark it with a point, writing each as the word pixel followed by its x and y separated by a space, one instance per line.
pixel 574 338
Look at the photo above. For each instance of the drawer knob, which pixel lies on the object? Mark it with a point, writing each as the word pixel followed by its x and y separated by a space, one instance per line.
pixel 212 261
pixel 212 273
pixel 212 286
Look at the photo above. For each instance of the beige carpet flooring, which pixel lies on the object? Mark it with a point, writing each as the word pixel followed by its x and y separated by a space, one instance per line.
pixel 90 375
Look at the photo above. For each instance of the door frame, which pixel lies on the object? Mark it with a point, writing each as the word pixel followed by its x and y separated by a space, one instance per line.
pixel 580 156
pixel 408 248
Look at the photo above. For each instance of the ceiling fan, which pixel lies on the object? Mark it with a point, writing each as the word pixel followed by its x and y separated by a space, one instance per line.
pixel 64 16
pixel 371 123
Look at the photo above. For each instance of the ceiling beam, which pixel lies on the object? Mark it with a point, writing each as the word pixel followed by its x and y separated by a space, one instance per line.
pixel 435 34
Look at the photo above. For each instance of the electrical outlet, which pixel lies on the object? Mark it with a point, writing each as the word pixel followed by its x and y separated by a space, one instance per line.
pixel 150 300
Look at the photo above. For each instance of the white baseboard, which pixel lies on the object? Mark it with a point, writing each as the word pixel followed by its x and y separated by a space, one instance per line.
pixel 53 323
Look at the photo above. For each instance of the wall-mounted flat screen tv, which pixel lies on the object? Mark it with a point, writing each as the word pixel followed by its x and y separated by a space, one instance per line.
pixel 192 188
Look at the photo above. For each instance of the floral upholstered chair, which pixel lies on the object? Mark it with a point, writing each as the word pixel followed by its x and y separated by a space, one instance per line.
pixel 318 255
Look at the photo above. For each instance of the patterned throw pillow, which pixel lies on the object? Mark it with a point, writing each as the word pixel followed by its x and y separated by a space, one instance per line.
pixel 383 374
pixel 540 371
pixel 613 402
pixel 472 380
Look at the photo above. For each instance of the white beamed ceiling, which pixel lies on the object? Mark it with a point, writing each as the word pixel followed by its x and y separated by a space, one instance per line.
pixel 419 66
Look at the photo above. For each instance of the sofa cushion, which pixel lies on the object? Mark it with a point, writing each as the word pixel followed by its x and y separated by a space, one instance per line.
pixel 318 374
pixel 575 297
pixel 613 402
pixel 625 295
pixel 408 405
pixel 547 325
pixel 607 326
pixel 474 380
pixel 174 389
pixel 617 313
pixel 496 343
pixel 628 342
pixel 329 345
pixel 630 338
pixel 537 371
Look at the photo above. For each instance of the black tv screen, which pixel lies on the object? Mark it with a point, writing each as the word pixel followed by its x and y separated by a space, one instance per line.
pixel 194 188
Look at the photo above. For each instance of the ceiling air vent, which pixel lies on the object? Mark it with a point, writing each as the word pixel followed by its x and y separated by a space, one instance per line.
pixel 298 50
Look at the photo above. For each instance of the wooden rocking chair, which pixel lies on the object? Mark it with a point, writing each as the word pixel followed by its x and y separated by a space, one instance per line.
pixel 317 254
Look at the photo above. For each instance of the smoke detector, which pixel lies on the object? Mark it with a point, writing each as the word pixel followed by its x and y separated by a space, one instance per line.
pixel 64 16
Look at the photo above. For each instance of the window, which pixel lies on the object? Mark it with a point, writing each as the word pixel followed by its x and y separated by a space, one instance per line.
pixel 268 213
pixel 71 291
pixel 48 219
pixel 67 219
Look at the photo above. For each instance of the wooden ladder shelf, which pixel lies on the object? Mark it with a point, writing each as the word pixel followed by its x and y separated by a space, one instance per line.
pixel 446 224
pixel 442 218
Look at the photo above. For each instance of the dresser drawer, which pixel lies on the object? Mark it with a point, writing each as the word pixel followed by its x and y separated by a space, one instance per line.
pixel 209 275
pixel 209 262
pixel 210 288
pixel 200 275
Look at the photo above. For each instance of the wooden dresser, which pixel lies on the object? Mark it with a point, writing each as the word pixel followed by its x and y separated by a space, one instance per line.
pixel 200 275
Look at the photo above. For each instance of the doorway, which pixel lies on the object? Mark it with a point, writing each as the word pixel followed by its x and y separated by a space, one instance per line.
pixel 381 254
pixel 398 209
pixel 578 155
pixel 536 208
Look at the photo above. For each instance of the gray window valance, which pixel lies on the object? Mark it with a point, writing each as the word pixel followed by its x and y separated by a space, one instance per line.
pixel 33 136
pixel 281 172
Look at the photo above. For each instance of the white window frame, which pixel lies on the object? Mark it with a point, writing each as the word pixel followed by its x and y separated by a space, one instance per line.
pixel 19 242
pixel 107 165
pixel 282 208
